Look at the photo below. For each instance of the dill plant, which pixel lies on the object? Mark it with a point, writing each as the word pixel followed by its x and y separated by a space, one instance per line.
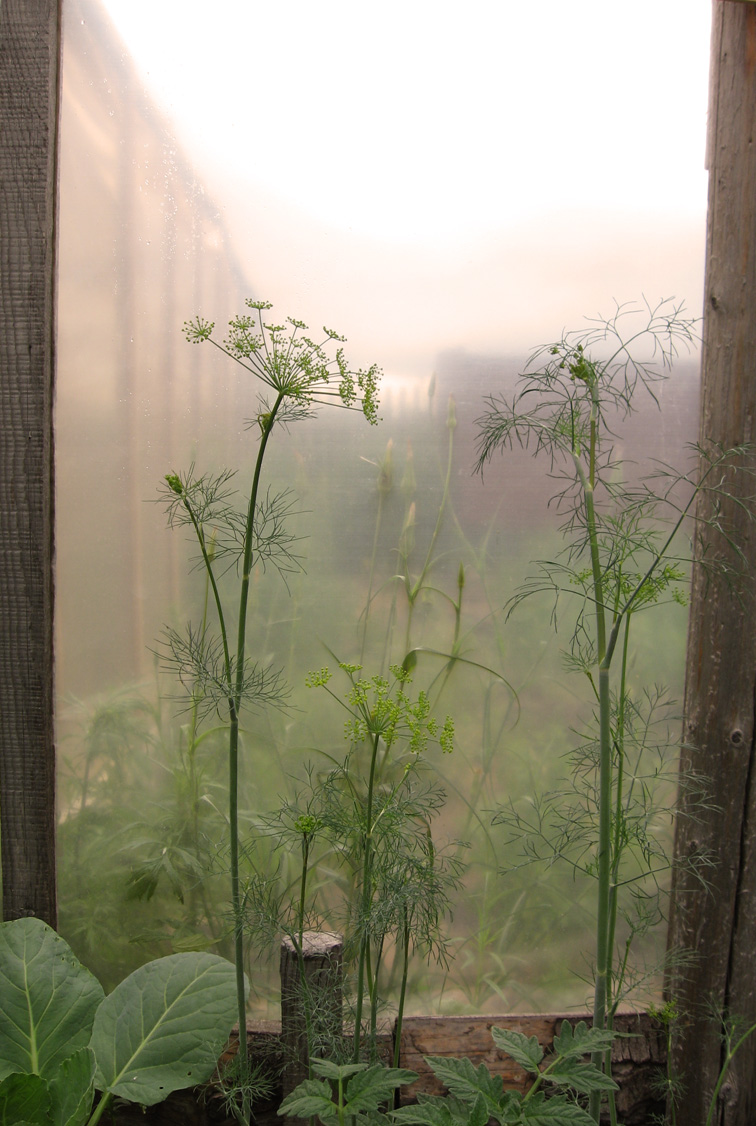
pixel 426 624
pixel 295 375
pixel 366 819
pixel 620 558
pixel 386 833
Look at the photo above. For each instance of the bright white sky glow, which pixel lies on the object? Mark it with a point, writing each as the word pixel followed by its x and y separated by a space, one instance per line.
pixel 438 129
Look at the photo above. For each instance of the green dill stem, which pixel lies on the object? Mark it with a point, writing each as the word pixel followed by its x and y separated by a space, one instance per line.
pixel 210 578
pixel 614 987
pixel 366 895
pixel 373 988
pixel 618 813
pixel 603 953
pixel 384 487
pixel 732 1050
pixel 216 594
pixel 342 1119
pixel 412 593
pixel 299 949
pixel 191 759
pixel 303 884
pixel 307 1006
pixel 234 706
pixel 403 990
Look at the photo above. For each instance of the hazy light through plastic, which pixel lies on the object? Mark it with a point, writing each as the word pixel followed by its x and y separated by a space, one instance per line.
pixel 532 158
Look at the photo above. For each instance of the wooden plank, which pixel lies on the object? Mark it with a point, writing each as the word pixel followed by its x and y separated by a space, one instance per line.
pixel 717 924
pixel 29 100
pixel 637 1059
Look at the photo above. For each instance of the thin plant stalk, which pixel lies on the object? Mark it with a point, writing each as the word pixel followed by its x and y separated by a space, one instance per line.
pixel 403 988
pixel 234 707
pixel 298 371
pixel 731 1051
pixel 603 952
pixel 367 864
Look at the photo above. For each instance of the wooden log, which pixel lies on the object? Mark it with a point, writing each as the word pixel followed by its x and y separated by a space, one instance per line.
pixel 316 1001
pixel 637 1061
pixel 713 920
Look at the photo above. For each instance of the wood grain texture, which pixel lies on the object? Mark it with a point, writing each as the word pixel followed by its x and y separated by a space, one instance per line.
pixel 636 1060
pixel 321 991
pixel 29 99
pixel 718 926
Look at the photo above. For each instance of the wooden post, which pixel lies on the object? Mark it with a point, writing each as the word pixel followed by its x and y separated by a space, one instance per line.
pixel 320 997
pixel 29 101
pixel 718 925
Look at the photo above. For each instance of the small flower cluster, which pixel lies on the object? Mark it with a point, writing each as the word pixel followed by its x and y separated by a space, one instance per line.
pixel 381 708
pixel 292 364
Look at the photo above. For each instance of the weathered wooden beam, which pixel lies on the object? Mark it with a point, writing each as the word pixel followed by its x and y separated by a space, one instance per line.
pixel 716 924
pixel 638 1063
pixel 29 101
pixel 637 1059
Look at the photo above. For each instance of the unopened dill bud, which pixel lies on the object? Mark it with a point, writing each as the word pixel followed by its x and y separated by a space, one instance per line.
pixel 307 824
pixel 408 531
pixel 174 484
pixel 386 470
pixel 461 577
pixel 409 481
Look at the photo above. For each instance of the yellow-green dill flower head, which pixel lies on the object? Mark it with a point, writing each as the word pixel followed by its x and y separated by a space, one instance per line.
pixel 297 368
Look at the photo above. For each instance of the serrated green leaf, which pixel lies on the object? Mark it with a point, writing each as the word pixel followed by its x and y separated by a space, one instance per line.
pixel 164 1027
pixel 582 1077
pixel 464 1080
pixel 553 1111
pixel 524 1050
pixel 72 1089
pixel 433 1111
pixel 335 1071
pixel 368 1089
pixel 311 1099
pixel 581 1040
pixel 479 1115
pixel 24 1098
pixel 47 998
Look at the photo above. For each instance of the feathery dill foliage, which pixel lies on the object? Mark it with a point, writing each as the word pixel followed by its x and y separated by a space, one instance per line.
pixel 296 375
pixel 386 834
pixel 620 558
pixel 368 864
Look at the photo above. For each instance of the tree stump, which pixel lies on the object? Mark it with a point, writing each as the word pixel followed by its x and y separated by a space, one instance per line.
pixel 311 1003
